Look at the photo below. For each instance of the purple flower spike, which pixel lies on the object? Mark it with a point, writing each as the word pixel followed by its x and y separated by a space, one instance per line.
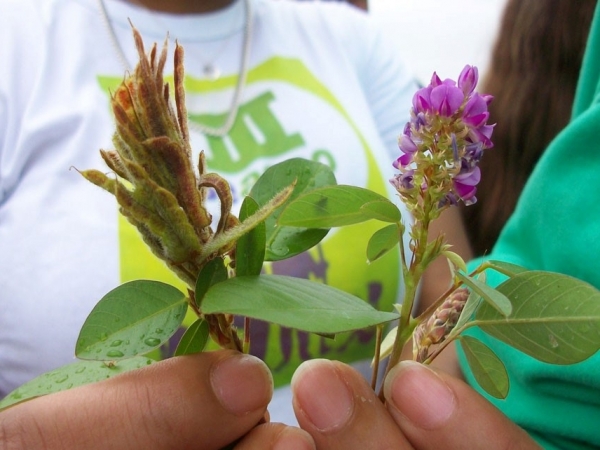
pixel 446 99
pixel 443 143
pixel 467 80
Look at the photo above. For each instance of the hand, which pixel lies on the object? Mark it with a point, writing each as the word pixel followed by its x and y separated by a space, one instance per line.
pixel 424 410
pixel 203 401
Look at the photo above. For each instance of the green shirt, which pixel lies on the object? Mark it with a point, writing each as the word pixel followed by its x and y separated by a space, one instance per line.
pixel 556 227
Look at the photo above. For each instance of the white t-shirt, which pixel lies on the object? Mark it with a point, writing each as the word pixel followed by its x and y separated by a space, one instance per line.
pixel 322 85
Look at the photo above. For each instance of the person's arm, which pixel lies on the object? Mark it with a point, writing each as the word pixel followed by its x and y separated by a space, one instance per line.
pixel 424 410
pixel 205 401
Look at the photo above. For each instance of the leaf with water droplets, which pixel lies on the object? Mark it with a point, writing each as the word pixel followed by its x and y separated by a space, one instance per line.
pixel 130 320
pixel 556 318
pixel 286 241
pixel 70 376
pixel 487 368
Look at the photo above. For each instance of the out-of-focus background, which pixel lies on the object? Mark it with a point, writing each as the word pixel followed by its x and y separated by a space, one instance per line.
pixel 440 35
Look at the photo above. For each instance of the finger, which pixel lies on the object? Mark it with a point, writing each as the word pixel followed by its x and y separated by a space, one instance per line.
pixel 202 401
pixel 435 410
pixel 339 409
pixel 276 436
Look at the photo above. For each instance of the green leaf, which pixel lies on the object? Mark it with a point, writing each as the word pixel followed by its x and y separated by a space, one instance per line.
pixel 334 206
pixel 213 272
pixel 294 303
pixel 382 241
pixel 488 369
pixel 385 211
pixel 498 300
pixel 194 339
pixel 507 269
pixel 70 376
pixel 132 319
pixel 283 241
pixel 250 248
pixel 556 317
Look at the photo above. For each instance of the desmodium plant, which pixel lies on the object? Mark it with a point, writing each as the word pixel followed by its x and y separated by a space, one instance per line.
pixel 290 209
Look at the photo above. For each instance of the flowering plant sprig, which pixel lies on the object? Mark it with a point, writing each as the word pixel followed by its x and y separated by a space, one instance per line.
pixel 291 207
pixel 441 147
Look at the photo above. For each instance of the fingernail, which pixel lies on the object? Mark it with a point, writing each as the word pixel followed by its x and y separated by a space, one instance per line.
pixel 322 395
pixel 242 383
pixel 418 394
pixel 294 440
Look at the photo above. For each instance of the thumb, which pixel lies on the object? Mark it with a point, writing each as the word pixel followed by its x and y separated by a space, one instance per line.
pixel 434 411
pixel 201 401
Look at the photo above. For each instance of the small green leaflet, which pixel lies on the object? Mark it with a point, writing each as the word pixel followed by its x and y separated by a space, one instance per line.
pixel 507 269
pixel 213 272
pixel 250 248
pixel 382 241
pixel 488 369
pixel 493 297
pixel 294 303
pixel 130 320
pixel 194 339
pixel 70 376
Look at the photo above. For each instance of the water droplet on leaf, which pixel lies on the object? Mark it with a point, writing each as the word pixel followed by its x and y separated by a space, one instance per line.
pixel 62 379
pixel 114 353
pixel 152 342
pixel 116 343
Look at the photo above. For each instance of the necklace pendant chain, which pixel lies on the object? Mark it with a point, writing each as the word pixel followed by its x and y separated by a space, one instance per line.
pixel 209 70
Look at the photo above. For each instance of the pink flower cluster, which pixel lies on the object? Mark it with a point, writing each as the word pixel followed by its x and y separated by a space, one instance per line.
pixel 448 128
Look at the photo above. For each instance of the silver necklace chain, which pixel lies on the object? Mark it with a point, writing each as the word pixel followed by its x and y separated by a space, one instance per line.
pixel 241 81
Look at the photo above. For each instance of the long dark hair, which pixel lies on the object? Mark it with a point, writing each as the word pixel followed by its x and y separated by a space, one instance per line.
pixel 532 75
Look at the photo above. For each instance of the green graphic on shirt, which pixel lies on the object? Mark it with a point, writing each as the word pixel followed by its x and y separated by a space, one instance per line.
pixel 276 141
pixel 340 260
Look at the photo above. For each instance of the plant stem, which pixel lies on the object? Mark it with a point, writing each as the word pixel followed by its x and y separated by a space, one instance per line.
pixel 375 372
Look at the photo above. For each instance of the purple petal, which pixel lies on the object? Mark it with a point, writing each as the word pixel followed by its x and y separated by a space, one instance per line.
pixel 482 134
pixel 464 191
pixel 435 80
pixel 467 80
pixel 446 99
pixel 477 120
pixel 470 178
pixel 406 144
pixel 487 98
pixel 421 100
pixel 475 105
